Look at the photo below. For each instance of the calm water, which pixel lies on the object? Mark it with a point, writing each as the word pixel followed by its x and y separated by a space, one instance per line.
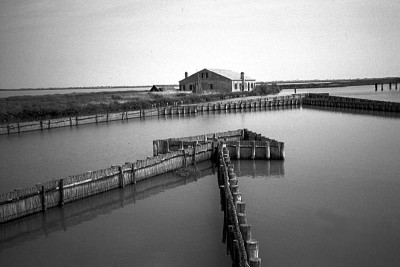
pixel 333 202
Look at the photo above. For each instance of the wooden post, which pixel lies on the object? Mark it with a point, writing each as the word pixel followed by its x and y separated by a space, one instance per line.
pixel 41 125
pixel 282 150
pixel 194 156
pixel 237 197
pixel 376 87
pixel 96 119
pixel 61 189
pixel 184 158
pixel 238 149
pixel 242 218
pixel 255 262
pixel 167 146
pixel 222 196
pixel 230 240
pixel 48 126
pixel 382 87
pixel 121 177
pixel 213 150
pixel 267 150
pixel 43 198
pixel 155 147
pixel 19 129
pixel 76 120
pixel 240 206
pixel 70 121
pixel 220 175
pixel 245 229
pixel 235 248
pixel 233 181
pixel 252 249
pixel 234 189
pixel 133 174
pixel 8 128
pixel 253 150
pixel 107 117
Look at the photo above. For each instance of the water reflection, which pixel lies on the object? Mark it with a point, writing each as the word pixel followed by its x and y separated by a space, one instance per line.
pixel 260 168
pixel 75 213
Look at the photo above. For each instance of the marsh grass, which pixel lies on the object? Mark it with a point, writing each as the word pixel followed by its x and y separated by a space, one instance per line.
pixel 40 107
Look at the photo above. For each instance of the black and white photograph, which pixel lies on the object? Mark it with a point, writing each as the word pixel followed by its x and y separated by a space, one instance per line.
pixel 226 133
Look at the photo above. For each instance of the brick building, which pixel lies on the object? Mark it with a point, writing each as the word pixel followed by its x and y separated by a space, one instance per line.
pixel 221 81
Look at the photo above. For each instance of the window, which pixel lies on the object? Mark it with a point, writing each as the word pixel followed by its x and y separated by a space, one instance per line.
pixel 211 86
pixel 183 87
pixel 202 75
pixel 191 87
pixel 252 85
pixel 236 85
pixel 206 75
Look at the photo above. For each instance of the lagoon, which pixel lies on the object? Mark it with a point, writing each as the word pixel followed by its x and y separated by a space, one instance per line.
pixel 333 201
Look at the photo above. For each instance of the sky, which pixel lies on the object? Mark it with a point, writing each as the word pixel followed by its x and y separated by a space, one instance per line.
pixel 58 43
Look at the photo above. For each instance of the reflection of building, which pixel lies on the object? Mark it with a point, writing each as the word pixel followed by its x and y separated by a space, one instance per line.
pixel 259 168
pixel 222 81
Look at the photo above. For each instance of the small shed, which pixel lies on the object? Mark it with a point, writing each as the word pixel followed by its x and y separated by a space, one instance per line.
pixel 162 88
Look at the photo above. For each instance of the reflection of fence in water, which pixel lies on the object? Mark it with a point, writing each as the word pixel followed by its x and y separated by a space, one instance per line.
pixel 259 168
pixel 87 209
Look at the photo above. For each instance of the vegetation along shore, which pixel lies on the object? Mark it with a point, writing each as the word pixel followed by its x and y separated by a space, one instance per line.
pixel 28 108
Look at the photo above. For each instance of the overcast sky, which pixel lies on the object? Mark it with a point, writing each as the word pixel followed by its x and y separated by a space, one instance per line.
pixel 58 43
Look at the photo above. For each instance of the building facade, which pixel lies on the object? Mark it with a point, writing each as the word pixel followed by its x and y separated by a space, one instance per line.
pixel 221 81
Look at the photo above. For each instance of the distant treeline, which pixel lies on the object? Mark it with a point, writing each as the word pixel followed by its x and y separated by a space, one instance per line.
pixel 41 107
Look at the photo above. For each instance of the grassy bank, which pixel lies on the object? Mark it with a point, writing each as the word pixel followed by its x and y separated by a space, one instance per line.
pixel 29 108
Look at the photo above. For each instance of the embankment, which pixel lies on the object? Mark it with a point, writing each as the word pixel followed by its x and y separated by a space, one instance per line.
pixel 326 100
pixel 248 104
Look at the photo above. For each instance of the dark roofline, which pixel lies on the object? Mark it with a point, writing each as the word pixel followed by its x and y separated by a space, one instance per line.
pixel 210 70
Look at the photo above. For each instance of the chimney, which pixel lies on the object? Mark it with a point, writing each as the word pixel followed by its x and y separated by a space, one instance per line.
pixel 243 82
pixel 186 74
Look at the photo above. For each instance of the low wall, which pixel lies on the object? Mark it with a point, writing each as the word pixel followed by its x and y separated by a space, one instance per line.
pixel 236 232
pixel 291 100
pixel 242 144
pixel 43 224
pixel 175 144
pixel 38 198
pixel 347 102
pixel 185 151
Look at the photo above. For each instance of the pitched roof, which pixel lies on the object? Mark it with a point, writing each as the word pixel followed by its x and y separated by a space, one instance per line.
pixel 233 75
pixel 162 88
